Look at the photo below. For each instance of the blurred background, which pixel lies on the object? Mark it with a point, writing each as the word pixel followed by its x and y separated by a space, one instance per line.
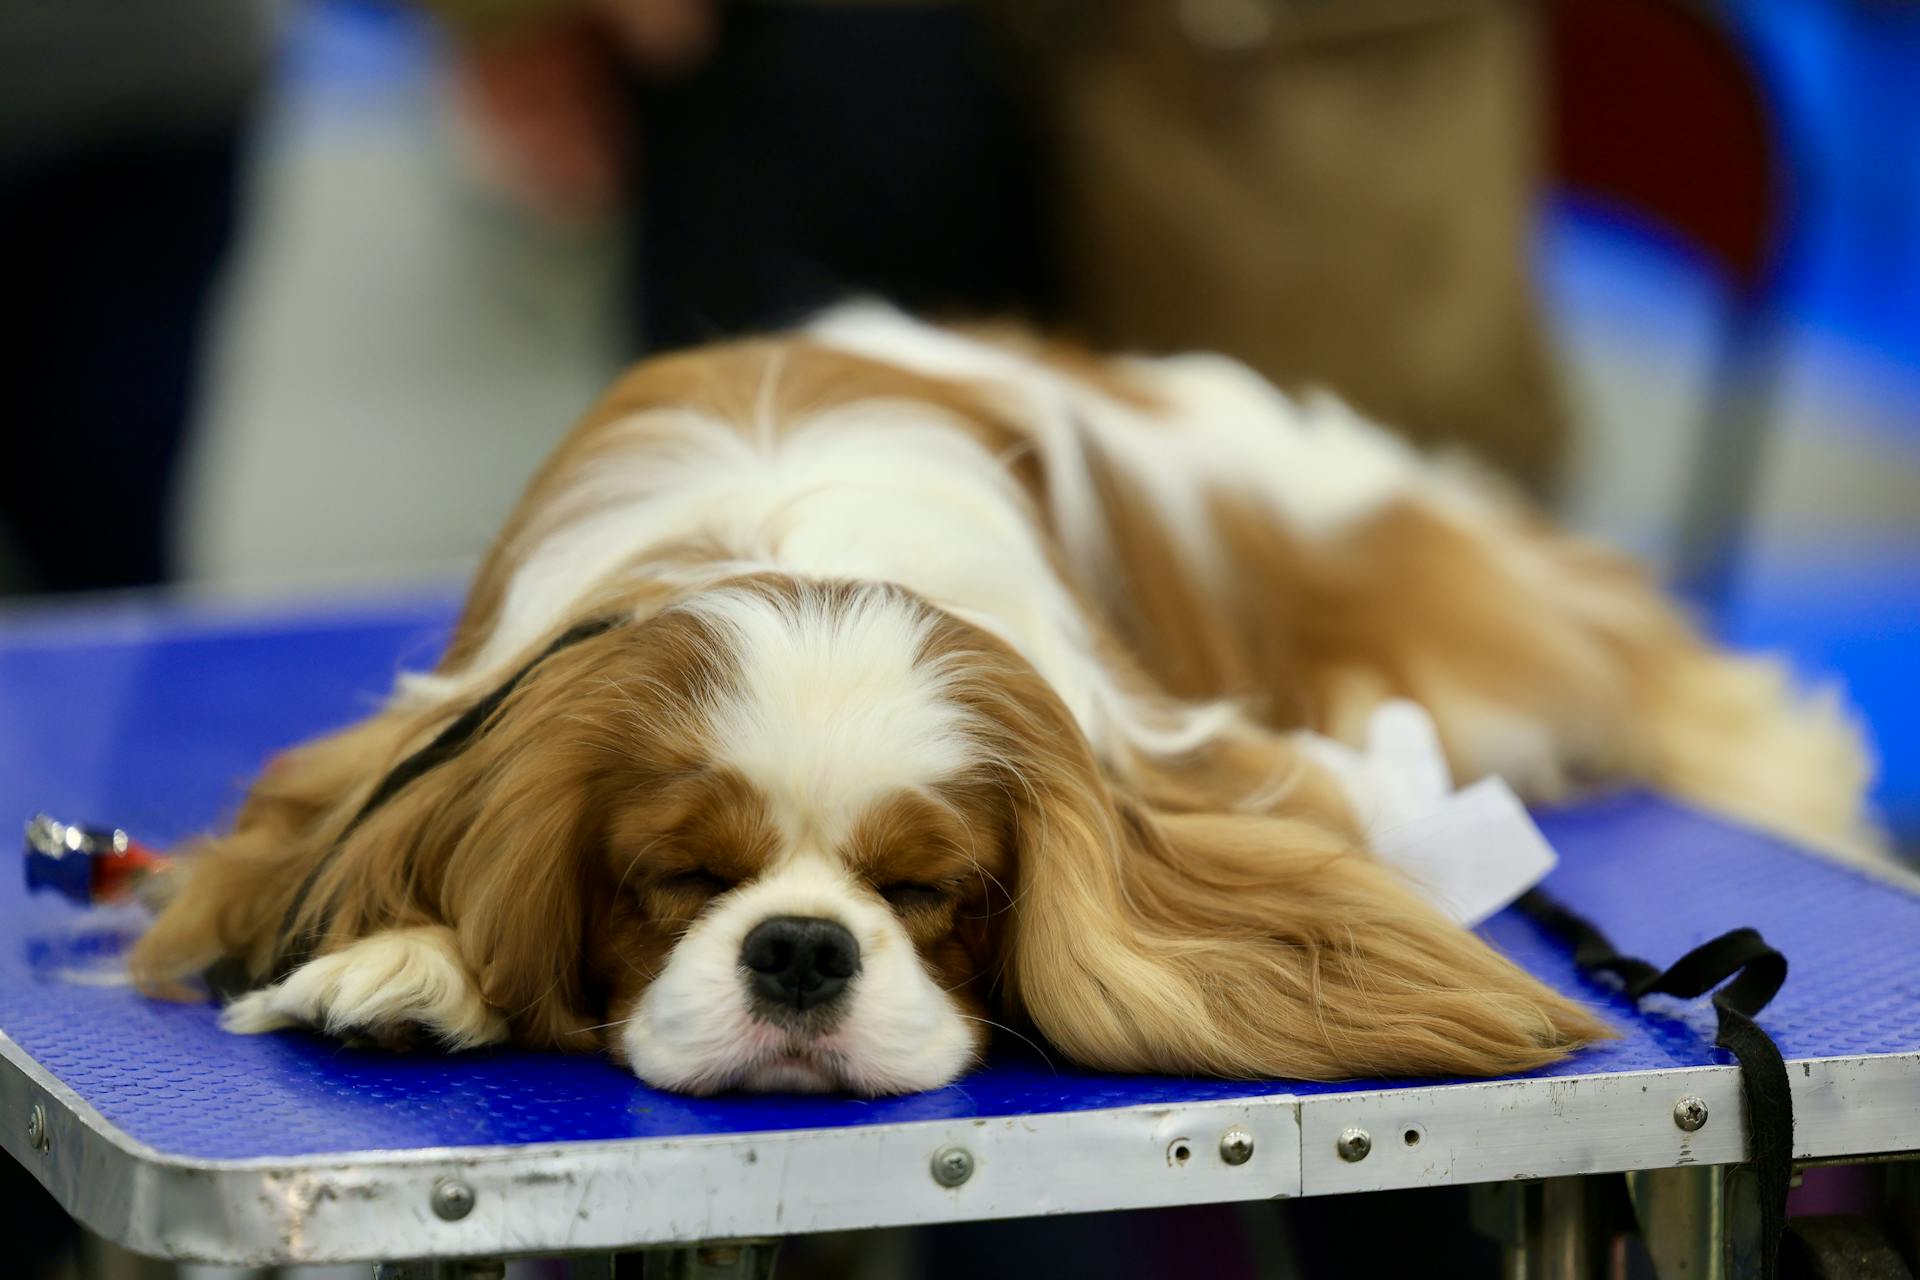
pixel 304 289
pixel 308 287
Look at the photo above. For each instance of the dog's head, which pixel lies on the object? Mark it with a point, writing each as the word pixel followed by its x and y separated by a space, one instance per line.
pixel 788 835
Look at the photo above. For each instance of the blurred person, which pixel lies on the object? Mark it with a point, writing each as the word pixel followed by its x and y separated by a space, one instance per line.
pixel 121 129
pixel 1339 194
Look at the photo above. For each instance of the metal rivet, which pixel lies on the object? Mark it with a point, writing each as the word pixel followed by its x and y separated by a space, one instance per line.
pixel 37 1135
pixel 1236 1146
pixel 1689 1113
pixel 452 1199
pixel 1353 1145
pixel 952 1166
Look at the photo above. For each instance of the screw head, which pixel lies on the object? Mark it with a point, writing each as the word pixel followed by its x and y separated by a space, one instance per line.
pixel 1236 1146
pixel 952 1166
pixel 1689 1113
pixel 37 1136
pixel 1353 1145
pixel 452 1199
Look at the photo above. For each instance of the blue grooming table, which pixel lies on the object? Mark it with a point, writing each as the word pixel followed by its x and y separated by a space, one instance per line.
pixel 162 1133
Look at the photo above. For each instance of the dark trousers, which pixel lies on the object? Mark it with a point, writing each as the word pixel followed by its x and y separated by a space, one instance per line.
pixel 826 151
pixel 110 257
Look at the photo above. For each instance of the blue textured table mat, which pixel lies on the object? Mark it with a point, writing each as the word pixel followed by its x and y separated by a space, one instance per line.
pixel 152 718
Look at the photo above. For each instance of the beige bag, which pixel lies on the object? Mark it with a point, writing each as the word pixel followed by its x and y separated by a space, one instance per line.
pixel 1340 193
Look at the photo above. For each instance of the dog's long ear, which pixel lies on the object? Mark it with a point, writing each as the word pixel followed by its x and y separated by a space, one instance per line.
pixel 502 850
pixel 495 840
pixel 499 841
pixel 1240 945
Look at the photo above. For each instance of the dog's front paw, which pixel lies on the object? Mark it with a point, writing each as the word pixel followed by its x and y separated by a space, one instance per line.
pixel 393 989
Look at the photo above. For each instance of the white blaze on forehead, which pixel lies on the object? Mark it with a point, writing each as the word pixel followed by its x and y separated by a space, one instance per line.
pixel 833 705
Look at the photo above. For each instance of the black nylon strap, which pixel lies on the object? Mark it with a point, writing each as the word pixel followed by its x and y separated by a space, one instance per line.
pixel 1752 973
pixel 446 744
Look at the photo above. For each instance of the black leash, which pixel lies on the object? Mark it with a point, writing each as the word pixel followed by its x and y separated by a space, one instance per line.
pixel 1752 973
pixel 448 743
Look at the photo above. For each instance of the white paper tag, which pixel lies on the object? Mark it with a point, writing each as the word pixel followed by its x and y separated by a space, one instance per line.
pixel 1472 854
pixel 1471 851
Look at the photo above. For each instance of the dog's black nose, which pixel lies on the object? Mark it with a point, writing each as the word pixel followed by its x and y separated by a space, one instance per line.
pixel 799 962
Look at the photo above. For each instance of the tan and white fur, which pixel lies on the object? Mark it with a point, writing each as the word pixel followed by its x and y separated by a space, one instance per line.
pixel 995 680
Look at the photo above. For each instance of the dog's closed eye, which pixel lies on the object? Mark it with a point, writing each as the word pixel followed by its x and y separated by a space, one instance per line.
pixel 697 883
pixel 912 895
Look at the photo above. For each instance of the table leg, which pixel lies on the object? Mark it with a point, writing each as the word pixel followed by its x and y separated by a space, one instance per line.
pixel 1549 1229
pixel 1701 1222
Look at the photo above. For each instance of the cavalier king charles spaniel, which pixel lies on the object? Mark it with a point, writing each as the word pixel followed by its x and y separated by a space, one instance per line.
pixel 832 699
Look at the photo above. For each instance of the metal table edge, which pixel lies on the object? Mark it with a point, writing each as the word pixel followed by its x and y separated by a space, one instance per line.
pixel 553 1198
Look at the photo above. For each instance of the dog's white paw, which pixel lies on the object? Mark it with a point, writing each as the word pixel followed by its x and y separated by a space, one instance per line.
pixel 390 988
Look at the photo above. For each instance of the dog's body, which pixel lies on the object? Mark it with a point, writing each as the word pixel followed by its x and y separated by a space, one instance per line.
pixel 925 675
